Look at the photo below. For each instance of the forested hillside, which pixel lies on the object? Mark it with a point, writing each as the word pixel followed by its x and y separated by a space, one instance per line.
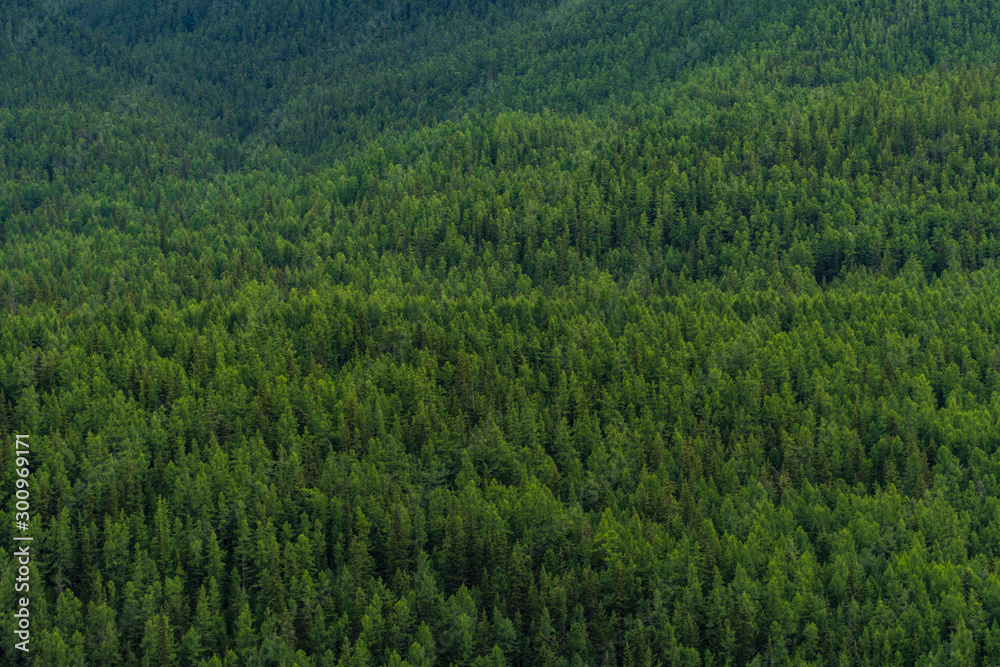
pixel 591 332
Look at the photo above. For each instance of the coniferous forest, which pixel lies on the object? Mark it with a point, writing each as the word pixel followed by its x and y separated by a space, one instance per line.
pixel 476 332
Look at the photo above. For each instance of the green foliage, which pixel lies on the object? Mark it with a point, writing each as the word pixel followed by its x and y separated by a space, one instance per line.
pixel 494 334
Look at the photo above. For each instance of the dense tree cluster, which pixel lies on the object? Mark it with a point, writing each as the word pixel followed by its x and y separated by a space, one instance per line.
pixel 652 334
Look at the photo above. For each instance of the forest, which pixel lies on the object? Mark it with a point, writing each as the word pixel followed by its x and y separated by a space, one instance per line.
pixel 556 333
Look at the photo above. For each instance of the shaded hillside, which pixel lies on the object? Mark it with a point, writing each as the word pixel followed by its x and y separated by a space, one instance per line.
pixel 587 333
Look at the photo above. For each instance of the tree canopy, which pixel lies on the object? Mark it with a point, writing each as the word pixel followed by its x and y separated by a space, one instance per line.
pixel 489 333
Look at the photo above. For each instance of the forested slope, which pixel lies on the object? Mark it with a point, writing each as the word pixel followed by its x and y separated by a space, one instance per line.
pixel 491 334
